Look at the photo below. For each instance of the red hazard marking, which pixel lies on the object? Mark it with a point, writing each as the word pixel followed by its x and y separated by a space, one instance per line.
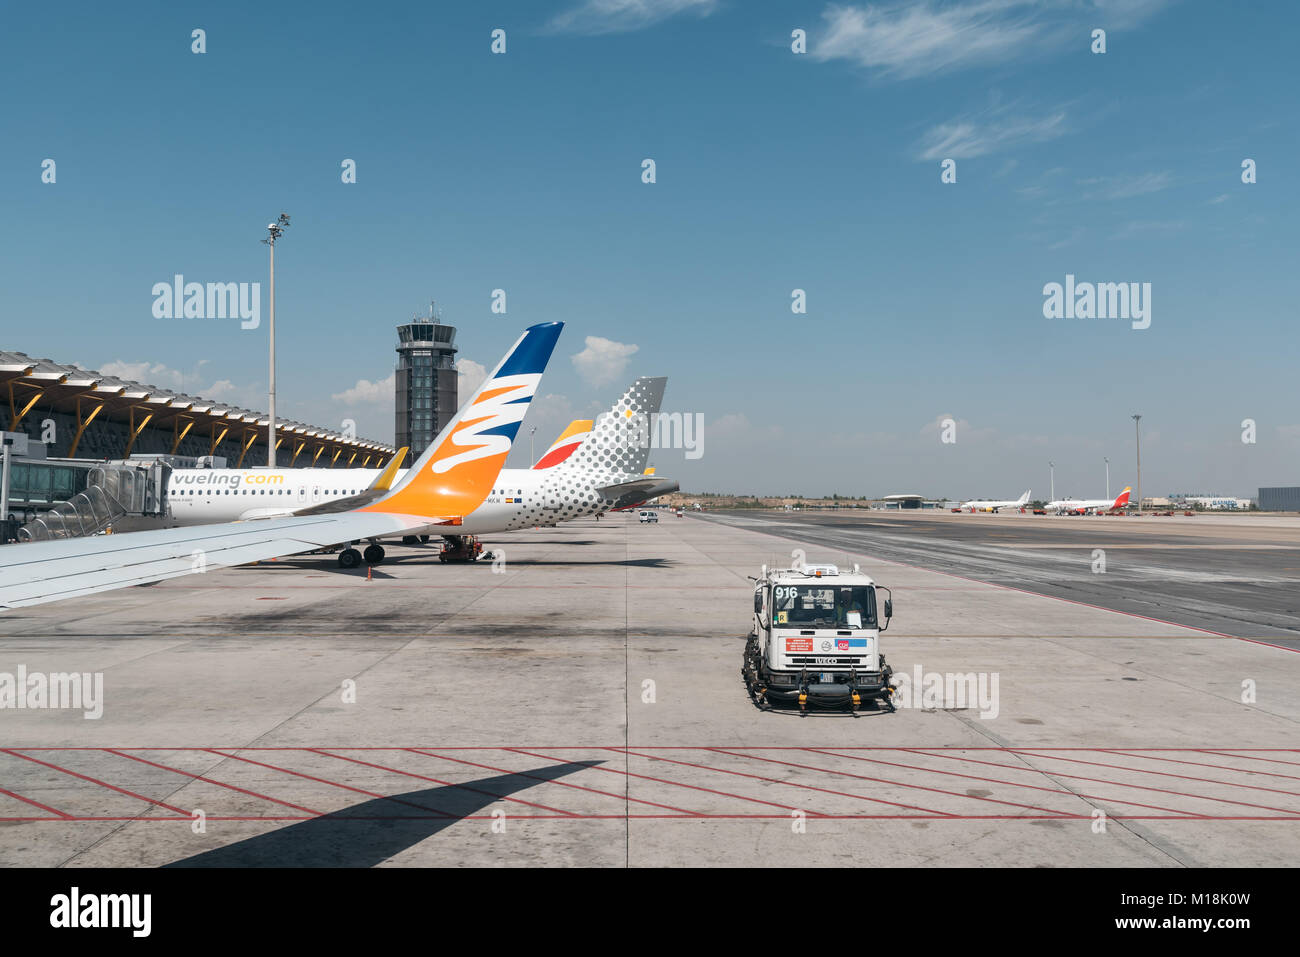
pixel 665 783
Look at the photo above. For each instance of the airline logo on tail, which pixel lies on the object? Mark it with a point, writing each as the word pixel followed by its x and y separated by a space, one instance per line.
pixel 566 444
pixel 1123 498
pixel 490 424
pixel 456 472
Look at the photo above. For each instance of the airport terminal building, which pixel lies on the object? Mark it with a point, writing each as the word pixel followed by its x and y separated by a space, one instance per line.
pixel 63 421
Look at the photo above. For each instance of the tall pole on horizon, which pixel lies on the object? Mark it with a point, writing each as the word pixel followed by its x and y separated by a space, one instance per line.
pixel 1052 495
pixel 1107 477
pixel 1137 434
pixel 276 229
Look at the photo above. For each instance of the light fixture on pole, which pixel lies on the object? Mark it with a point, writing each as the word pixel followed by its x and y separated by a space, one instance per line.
pixel 1137 433
pixel 276 229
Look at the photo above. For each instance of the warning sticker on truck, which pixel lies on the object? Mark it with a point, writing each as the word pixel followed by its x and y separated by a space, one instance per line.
pixel 798 644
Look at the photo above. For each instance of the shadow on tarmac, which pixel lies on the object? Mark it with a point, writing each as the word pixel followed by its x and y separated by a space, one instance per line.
pixel 370 833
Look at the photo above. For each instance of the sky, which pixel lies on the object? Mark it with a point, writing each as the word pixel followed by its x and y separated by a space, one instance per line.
pixel 924 361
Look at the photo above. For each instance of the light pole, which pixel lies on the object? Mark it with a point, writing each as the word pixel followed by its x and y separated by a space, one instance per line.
pixel 276 229
pixel 1137 434
pixel 1052 495
pixel 1108 478
pixel 531 461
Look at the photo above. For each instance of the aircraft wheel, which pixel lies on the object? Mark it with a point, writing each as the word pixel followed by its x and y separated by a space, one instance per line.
pixel 349 558
pixel 374 554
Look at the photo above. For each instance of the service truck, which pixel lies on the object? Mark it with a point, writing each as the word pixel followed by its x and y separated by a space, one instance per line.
pixel 816 639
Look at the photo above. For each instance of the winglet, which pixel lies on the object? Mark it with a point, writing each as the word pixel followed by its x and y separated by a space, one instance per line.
pixel 385 478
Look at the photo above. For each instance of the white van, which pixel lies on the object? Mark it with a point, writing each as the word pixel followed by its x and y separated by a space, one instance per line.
pixel 647 516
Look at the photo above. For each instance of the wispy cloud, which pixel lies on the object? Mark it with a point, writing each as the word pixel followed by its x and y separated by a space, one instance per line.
pixel 595 17
pixel 1146 227
pixel 1127 186
pixel 906 40
pixel 989 131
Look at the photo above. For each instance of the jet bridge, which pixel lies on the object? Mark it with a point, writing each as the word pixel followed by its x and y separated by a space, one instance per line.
pixel 114 491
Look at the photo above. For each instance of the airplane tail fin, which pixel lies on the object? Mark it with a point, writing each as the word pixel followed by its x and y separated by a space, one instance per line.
pixel 1024 498
pixel 620 439
pixel 456 472
pixel 566 444
pixel 1122 500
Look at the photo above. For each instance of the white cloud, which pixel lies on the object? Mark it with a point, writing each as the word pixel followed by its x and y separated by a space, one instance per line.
pixel 911 39
pixel 594 17
pixel 366 391
pixel 154 373
pixel 603 361
pixel 989 131
pixel 469 376
pixel 908 40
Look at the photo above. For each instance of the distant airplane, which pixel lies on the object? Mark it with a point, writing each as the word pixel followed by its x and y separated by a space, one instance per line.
pixel 454 476
pixel 978 505
pixel 1081 506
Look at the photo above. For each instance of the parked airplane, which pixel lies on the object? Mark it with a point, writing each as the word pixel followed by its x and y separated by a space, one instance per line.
pixel 592 468
pixel 978 505
pixel 1082 506
pixel 454 476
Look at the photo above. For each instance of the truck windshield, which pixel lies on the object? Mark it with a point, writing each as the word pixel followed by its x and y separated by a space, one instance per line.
pixel 824 606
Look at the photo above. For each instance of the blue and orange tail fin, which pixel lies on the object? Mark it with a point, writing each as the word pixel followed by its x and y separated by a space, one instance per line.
pixel 456 473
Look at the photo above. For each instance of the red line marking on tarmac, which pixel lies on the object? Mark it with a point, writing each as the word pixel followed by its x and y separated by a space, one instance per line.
pixel 86 777
pixel 1148 787
pixel 1199 764
pixel 921 787
pixel 1229 754
pixel 412 774
pixel 538 777
pixel 200 777
pixel 808 787
pixel 43 807
pixel 1091 797
pixel 337 784
pixel 647 777
pixel 663 817
pixel 1240 752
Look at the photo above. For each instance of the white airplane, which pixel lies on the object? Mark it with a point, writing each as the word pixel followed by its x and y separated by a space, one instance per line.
pixel 1081 506
pixel 455 475
pixel 980 505
pixel 590 469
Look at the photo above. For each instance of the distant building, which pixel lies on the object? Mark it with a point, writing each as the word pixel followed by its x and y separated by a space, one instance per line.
pixel 426 389
pixel 1280 499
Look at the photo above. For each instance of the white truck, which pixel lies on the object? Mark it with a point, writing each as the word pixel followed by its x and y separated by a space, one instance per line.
pixel 816 639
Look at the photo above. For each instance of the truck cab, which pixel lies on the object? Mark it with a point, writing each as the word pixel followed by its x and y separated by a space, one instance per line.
pixel 816 638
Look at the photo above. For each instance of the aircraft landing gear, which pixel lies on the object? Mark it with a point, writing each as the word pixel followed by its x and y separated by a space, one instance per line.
pixel 349 558
pixel 374 554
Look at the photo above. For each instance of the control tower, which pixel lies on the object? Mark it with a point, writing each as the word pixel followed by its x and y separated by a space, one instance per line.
pixel 426 391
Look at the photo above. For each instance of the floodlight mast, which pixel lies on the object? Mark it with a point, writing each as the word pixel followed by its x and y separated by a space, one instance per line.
pixel 276 230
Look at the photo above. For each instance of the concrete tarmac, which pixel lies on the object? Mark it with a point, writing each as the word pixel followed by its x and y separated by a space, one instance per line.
pixel 578 702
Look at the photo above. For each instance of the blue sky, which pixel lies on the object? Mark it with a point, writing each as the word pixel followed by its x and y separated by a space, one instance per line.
pixel 775 171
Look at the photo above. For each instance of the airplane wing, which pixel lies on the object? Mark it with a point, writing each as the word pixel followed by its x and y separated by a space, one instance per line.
pixel 50 571
pixel 450 480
